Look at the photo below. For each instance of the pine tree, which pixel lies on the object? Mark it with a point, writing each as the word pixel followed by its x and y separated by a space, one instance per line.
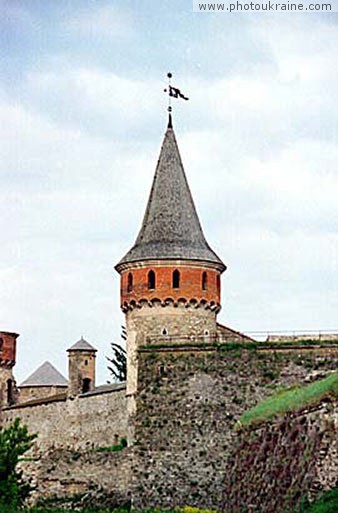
pixel 118 367
pixel 14 442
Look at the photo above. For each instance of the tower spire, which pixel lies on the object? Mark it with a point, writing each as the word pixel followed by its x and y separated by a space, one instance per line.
pixel 171 228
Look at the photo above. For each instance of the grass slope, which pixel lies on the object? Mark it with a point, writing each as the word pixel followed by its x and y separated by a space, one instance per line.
pixel 328 503
pixel 291 400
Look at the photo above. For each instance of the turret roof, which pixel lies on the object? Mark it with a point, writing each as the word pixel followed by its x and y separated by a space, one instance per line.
pixel 45 375
pixel 82 345
pixel 171 228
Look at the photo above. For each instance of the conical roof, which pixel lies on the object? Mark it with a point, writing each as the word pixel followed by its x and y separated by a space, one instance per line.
pixel 45 375
pixel 170 228
pixel 82 345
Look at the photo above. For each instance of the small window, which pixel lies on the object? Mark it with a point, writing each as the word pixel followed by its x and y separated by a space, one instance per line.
pixel 204 281
pixel 176 279
pixel 10 392
pixel 130 283
pixel 161 369
pixel 86 385
pixel 86 362
pixel 164 331
pixel 218 282
pixel 151 280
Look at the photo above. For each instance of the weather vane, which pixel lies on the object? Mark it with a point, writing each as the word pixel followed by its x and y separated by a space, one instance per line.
pixel 173 92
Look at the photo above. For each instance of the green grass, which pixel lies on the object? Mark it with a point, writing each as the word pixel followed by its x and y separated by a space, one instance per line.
pixel 113 448
pixel 328 503
pixel 232 345
pixel 186 509
pixel 291 400
pixel 63 510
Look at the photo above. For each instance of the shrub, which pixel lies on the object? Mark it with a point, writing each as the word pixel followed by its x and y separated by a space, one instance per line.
pixel 327 503
pixel 14 442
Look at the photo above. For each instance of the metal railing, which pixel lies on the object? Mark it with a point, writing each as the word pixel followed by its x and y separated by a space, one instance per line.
pixel 284 335
pixel 247 336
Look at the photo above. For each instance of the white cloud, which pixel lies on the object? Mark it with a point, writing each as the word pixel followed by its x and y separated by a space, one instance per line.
pixel 103 21
pixel 259 145
pixel 98 102
pixel 16 14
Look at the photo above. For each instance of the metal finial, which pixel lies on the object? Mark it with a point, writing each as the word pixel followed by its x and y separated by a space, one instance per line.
pixel 169 109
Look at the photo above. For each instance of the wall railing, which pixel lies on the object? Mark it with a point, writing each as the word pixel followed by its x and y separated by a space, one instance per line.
pixel 257 336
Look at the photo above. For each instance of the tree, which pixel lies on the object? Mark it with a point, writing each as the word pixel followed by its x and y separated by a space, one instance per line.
pixel 14 442
pixel 118 367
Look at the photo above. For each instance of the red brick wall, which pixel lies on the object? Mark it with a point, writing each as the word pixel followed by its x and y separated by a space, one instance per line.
pixel 190 284
pixel 7 347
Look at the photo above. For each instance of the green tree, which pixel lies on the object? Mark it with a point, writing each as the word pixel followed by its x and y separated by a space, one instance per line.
pixel 118 362
pixel 14 442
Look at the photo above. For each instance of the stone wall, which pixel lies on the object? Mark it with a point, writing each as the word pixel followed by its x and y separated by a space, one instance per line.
pixel 81 423
pixel 8 389
pixel 188 402
pixel 79 479
pixel 28 393
pixel 284 462
pixel 147 325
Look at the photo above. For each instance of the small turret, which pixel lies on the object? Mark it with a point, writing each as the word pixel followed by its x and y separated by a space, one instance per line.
pixel 8 390
pixel 81 368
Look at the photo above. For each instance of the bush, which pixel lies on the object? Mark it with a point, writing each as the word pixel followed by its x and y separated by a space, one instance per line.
pixel 14 442
pixel 327 503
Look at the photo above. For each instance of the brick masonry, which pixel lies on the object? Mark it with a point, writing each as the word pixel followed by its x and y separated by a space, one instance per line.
pixel 8 390
pixel 192 284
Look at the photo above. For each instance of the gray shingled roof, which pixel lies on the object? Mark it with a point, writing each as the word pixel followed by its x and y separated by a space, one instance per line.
pixel 45 375
pixel 170 228
pixel 82 345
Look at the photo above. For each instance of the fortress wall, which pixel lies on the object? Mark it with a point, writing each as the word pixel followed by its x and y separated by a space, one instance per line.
pixel 77 424
pixel 79 479
pixel 187 406
pixel 284 461
pixel 28 393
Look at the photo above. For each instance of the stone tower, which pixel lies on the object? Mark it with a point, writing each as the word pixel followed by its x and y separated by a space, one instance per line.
pixel 170 278
pixel 81 368
pixel 8 391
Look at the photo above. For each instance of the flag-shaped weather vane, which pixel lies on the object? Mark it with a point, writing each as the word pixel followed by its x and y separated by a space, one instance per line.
pixel 173 92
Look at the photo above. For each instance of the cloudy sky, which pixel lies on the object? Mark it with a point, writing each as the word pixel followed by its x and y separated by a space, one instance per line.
pixel 83 115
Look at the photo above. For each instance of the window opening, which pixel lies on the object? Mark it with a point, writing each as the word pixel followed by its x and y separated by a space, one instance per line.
pixel 86 385
pixel 10 391
pixel 151 280
pixel 204 281
pixel 130 283
pixel 218 282
pixel 176 279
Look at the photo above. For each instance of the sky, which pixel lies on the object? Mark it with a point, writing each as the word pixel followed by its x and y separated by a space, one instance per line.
pixel 83 114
